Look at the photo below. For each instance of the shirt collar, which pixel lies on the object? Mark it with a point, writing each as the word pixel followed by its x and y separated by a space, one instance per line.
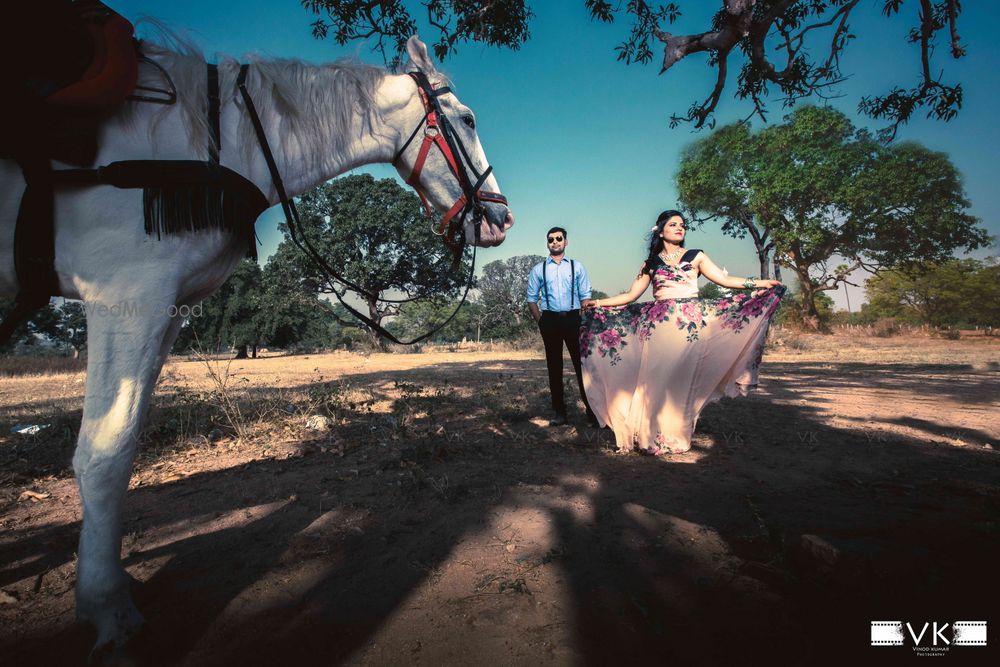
pixel 549 259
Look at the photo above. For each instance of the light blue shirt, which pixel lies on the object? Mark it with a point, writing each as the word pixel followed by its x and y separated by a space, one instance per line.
pixel 555 293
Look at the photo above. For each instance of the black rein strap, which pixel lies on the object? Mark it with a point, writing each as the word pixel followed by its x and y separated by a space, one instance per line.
pixel 295 228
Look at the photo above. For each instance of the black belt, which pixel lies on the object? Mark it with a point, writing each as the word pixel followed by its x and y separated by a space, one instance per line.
pixel 561 313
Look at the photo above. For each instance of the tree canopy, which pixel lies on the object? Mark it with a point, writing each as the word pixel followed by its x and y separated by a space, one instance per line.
pixel 230 317
pixel 956 292
pixel 793 47
pixel 503 289
pixel 414 316
pixel 375 232
pixel 65 325
pixel 815 187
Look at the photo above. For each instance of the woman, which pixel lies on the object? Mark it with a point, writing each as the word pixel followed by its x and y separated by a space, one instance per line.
pixel 650 368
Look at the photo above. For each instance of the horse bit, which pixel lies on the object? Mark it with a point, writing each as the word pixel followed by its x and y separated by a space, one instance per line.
pixel 439 132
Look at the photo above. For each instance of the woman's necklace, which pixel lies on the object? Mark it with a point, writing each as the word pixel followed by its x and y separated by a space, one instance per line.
pixel 671 257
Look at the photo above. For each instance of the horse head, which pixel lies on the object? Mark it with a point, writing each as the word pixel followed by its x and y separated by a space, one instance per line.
pixel 440 155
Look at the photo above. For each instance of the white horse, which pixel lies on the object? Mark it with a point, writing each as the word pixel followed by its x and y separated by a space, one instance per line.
pixel 321 121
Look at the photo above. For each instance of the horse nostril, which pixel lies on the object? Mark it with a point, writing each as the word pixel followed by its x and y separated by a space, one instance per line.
pixel 508 221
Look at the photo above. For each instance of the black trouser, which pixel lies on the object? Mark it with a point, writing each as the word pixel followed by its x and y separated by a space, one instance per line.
pixel 559 328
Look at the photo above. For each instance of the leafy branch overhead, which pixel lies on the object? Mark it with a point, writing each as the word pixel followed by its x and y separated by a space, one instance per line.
pixel 389 23
pixel 792 47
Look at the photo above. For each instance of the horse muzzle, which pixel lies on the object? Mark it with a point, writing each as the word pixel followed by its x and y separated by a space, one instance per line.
pixel 492 226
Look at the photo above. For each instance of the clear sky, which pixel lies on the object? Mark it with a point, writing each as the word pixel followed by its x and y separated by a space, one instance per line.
pixel 581 140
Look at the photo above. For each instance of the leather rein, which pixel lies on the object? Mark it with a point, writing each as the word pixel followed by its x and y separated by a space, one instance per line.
pixel 439 132
pixel 469 202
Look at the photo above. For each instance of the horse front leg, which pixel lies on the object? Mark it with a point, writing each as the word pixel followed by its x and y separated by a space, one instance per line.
pixel 126 350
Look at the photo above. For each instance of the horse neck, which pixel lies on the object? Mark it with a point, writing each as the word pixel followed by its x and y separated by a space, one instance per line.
pixel 305 167
pixel 306 161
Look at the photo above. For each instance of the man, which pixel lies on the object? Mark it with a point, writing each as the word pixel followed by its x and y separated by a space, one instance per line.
pixel 557 288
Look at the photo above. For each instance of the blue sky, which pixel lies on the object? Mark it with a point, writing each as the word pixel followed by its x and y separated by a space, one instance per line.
pixel 581 140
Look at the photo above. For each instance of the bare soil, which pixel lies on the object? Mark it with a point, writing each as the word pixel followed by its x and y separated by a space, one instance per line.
pixel 435 518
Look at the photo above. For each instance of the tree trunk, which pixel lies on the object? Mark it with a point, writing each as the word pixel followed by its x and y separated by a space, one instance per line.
pixel 759 243
pixel 376 339
pixel 241 352
pixel 762 258
pixel 810 314
pixel 255 350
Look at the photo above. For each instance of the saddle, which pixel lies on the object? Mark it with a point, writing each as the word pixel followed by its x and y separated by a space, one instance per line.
pixel 63 67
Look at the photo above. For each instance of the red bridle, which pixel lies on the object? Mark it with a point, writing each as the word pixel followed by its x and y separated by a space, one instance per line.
pixel 438 132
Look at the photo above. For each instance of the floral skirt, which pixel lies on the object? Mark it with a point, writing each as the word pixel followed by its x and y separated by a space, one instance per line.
pixel 649 368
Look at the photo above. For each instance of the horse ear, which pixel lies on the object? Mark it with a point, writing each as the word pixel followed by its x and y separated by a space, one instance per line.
pixel 417 51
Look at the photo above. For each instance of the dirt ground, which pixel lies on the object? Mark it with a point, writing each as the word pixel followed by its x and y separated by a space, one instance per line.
pixel 432 517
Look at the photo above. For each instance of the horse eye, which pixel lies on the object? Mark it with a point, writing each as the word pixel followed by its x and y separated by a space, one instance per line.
pixel 469 121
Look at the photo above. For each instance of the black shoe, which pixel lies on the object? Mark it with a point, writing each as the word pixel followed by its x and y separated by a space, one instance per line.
pixel 559 419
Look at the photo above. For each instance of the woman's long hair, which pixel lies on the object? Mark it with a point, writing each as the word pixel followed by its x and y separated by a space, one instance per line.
pixel 656 240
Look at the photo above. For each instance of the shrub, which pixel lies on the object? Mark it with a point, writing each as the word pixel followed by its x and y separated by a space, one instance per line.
pixel 885 327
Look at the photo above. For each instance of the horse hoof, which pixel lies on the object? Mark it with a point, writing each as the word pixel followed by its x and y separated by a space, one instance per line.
pixel 135 650
pixel 109 655
pixel 117 627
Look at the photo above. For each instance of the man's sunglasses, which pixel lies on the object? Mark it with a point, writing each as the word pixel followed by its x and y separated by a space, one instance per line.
pixel 555 239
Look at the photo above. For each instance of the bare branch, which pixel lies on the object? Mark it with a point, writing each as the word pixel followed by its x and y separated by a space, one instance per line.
pixel 739 15
pixel 957 51
pixel 700 113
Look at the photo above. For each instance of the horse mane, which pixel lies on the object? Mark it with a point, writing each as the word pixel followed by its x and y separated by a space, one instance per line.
pixel 315 105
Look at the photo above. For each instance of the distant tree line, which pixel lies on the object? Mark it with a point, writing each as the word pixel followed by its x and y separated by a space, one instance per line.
pixel 55 328
pixel 958 293
pixel 804 192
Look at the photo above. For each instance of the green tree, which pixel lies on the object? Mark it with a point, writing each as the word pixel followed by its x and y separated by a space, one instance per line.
pixel 710 291
pixel 44 323
pixel 717 180
pixel 376 234
pixel 791 46
pixel 73 328
pixel 230 316
pixel 791 312
pixel 818 188
pixel 418 317
pixel 503 296
pixel 291 315
pixel 951 293
pixel 65 325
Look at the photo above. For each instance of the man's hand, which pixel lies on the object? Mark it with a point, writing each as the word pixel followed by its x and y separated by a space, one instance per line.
pixel 536 312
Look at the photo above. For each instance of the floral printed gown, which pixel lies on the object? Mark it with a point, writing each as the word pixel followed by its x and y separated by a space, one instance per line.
pixel 649 368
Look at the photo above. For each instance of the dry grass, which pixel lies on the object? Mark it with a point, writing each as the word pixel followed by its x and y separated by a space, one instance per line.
pixel 432 511
pixel 40 365
pixel 974 351
pixel 261 407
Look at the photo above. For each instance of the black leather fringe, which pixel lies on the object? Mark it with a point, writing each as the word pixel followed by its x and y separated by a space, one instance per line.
pixel 174 209
pixel 181 195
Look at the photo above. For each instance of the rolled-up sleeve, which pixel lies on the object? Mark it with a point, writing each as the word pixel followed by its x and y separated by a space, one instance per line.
pixel 534 284
pixel 583 286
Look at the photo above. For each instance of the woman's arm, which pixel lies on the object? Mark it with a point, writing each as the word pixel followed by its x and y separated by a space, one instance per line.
pixel 708 269
pixel 638 287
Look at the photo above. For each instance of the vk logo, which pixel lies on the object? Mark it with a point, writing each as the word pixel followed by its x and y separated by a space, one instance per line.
pixel 939 630
pixel 928 635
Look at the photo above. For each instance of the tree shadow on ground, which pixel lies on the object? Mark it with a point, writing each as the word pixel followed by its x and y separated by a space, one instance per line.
pixel 776 541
